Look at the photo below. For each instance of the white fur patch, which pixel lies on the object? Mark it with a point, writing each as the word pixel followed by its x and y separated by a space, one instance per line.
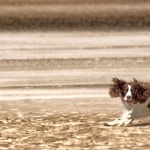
pixel 129 93
pixel 130 113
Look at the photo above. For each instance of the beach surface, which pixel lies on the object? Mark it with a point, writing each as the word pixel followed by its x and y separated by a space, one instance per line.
pixel 54 89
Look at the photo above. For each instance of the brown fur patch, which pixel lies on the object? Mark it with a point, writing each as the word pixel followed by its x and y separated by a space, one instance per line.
pixel 141 91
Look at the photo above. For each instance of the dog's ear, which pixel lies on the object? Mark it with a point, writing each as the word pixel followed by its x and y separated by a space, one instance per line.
pixel 118 82
pixel 140 89
pixel 116 88
pixel 136 85
pixel 135 81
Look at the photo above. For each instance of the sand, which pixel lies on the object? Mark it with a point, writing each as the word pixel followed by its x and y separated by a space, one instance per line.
pixel 54 90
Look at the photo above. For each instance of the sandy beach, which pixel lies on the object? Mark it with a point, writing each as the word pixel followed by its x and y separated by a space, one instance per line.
pixel 54 89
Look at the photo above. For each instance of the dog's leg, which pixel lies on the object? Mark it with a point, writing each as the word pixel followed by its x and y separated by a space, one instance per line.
pixel 125 119
pixel 113 123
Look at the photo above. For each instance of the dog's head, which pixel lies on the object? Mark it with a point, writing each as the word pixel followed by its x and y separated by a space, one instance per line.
pixel 120 88
pixel 130 92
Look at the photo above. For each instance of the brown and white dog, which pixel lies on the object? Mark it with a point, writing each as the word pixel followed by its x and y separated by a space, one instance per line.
pixel 135 97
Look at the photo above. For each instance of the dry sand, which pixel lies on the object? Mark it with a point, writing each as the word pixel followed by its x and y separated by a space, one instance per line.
pixel 68 124
pixel 60 101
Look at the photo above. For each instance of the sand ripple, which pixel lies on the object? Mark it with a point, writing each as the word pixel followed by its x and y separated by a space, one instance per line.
pixel 69 131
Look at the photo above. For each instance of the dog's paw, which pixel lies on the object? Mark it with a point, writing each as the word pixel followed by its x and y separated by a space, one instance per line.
pixel 125 122
pixel 113 123
pixel 119 122
pixel 106 124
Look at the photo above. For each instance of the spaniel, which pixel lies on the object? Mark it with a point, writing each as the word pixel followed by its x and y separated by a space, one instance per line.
pixel 135 97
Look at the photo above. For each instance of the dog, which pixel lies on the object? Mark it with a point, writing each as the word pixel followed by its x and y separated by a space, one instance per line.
pixel 135 97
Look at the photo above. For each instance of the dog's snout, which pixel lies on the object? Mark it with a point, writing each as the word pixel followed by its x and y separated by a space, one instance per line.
pixel 128 97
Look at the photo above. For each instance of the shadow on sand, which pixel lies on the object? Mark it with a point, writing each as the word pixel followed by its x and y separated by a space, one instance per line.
pixel 140 125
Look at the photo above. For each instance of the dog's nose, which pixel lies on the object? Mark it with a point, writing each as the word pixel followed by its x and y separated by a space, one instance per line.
pixel 128 97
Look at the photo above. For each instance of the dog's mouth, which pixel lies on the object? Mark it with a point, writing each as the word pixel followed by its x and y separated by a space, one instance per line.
pixel 128 102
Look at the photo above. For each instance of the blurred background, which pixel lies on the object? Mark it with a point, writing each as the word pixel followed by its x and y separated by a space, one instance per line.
pixel 74 15
pixel 53 49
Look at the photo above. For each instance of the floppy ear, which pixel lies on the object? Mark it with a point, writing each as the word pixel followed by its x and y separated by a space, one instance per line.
pixel 138 87
pixel 135 81
pixel 116 88
pixel 140 94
